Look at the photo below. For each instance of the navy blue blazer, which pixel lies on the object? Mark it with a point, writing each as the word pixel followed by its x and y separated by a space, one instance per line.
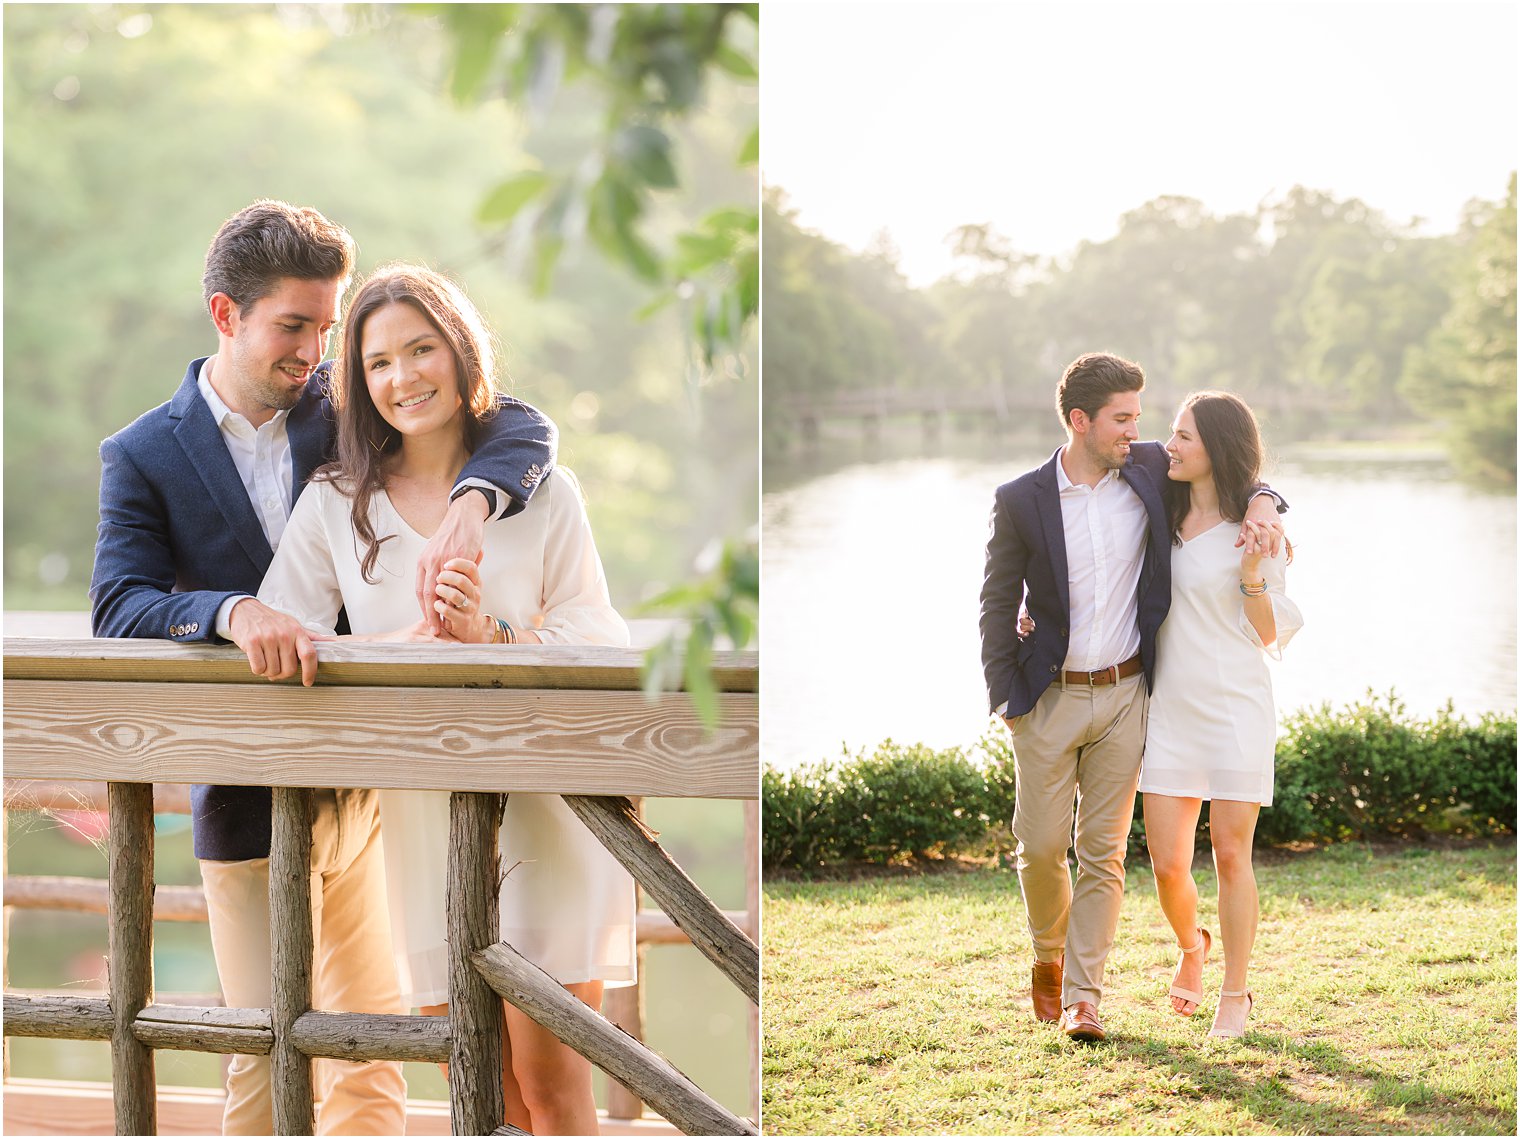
pixel 1026 554
pixel 178 536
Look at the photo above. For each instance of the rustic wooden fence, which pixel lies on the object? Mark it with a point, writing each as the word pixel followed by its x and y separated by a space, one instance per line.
pixel 479 722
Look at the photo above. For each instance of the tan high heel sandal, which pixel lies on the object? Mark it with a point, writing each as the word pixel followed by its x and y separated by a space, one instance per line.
pixel 1204 942
pixel 1250 1004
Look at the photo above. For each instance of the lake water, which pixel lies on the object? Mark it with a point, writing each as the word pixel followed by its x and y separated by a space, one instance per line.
pixel 872 569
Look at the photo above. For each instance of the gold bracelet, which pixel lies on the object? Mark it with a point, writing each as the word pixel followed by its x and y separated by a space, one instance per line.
pixel 1255 589
pixel 495 629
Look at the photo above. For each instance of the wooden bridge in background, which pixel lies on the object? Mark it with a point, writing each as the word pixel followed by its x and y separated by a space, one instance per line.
pixel 985 408
pixel 141 718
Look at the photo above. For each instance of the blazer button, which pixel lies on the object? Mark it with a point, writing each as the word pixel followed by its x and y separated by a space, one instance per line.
pixel 195 626
pixel 1065 632
pixel 174 630
pixel 1053 669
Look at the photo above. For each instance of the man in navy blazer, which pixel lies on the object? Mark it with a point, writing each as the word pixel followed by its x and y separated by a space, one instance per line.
pixel 194 496
pixel 1083 544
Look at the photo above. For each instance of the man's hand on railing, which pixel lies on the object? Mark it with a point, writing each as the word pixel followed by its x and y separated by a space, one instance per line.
pixel 277 645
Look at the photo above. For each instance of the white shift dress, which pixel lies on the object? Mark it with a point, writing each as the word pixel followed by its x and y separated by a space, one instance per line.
pixel 566 904
pixel 1212 727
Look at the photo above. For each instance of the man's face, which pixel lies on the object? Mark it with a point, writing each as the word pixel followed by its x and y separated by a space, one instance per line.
pixel 276 342
pixel 1109 433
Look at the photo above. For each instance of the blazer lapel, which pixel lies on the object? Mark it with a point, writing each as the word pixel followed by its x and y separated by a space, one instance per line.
pixel 201 439
pixel 1155 508
pixel 1048 507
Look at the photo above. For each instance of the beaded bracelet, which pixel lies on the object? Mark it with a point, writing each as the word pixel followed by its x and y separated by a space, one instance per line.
pixel 1255 590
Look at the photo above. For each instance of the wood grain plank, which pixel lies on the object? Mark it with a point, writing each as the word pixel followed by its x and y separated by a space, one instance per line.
pixel 360 665
pixel 485 740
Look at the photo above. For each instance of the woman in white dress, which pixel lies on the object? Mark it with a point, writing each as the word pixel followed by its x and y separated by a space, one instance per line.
pixel 1212 726
pixel 413 382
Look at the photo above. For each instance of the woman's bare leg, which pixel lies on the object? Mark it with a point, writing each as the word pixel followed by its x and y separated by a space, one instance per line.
pixel 1170 823
pixel 554 1079
pixel 1232 827
pixel 516 1112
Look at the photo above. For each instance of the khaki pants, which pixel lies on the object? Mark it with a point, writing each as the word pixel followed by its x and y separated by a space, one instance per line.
pixel 354 969
pixel 1077 754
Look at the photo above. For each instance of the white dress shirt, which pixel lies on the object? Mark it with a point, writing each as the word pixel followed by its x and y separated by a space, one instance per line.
pixel 1105 550
pixel 262 458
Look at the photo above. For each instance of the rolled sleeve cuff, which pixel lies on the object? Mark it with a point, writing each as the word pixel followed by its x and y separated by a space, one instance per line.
pixel 499 499
pixel 224 615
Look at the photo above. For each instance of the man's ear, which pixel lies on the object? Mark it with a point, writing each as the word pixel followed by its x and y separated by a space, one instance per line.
pixel 224 313
pixel 1079 421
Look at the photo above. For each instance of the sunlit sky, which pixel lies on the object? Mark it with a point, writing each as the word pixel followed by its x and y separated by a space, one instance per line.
pixel 1050 120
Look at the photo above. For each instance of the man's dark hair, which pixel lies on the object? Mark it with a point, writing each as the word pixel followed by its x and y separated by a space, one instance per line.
pixel 1091 379
pixel 268 240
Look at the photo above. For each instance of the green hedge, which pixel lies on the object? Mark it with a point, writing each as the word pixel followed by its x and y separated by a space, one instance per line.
pixel 1365 771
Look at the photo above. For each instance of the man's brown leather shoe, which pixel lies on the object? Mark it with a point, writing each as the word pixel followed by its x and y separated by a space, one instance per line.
pixel 1045 990
pixel 1080 1022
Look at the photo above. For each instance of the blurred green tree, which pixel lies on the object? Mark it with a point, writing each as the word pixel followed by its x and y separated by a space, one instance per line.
pixel 1465 371
pixel 649 65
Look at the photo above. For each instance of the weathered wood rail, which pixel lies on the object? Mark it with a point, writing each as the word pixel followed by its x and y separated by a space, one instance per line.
pixel 480 722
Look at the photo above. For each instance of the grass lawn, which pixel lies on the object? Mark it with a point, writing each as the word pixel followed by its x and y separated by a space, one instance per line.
pixel 1385 1004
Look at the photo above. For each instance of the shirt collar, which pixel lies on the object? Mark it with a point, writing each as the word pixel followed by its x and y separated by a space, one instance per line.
pixel 1063 480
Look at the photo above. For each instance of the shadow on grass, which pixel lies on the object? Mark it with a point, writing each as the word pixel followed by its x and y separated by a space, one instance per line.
pixel 1375 873
pixel 1290 1105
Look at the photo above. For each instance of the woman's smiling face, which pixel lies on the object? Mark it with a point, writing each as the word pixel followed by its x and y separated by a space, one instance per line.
pixel 1190 462
pixel 410 370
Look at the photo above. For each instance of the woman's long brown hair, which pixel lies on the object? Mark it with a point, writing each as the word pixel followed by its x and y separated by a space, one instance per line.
pixel 365 439
pixel 1232 441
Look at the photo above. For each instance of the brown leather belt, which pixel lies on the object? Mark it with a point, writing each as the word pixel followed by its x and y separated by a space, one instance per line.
pixel 1110 675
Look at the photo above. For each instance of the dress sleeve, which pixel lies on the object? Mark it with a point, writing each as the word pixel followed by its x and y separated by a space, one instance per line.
pixel 1285 614
pixel 303 580
pixel 577 609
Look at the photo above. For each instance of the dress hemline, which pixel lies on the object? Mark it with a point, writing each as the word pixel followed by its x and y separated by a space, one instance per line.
pixel 1260 802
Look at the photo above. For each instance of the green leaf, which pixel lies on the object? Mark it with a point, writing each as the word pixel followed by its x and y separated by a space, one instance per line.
pixel 735 62
pixel 504 202
pixel 699 682
pixel 733 218
pixel 476 30
pixel 636 254
pixel 660 667
pixel 646 151
pixel 686 595
pixel 737 624
pixel 700 250
pixel 546 251
pixel 749 153
pixel 654 306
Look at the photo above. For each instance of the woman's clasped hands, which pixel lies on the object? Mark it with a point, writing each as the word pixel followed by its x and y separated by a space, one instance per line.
pixel 457 603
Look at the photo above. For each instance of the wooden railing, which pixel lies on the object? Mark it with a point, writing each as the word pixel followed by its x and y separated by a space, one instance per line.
pixel 476 721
